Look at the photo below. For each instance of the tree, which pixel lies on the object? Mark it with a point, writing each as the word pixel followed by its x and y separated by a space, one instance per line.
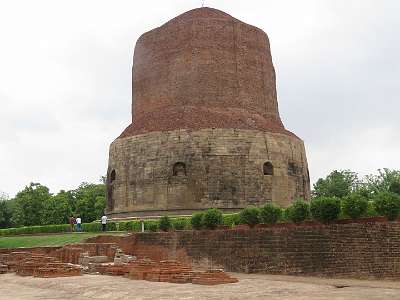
pixel 57 209
pixel 5 211
pixel 90 201
pixel 29 204
pixel 386 180
pixel 336 184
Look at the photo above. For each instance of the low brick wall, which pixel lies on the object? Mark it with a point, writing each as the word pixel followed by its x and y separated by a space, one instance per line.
pixel 368 249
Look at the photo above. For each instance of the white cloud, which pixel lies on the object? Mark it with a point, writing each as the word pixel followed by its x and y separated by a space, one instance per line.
pixel 65 81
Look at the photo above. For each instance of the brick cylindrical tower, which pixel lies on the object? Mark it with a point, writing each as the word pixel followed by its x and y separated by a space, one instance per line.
pixel 206 130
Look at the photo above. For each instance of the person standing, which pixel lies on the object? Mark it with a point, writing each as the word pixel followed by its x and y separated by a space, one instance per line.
pixel 78 224
pixel 104 223
pixel 72 223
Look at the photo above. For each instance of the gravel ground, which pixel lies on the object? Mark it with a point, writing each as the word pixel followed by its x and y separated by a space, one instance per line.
pixel 250 286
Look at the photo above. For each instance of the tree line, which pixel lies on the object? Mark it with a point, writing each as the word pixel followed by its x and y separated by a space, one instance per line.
pixel 35 205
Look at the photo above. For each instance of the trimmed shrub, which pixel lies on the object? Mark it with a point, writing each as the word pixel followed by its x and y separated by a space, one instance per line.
pixel 180 223
pixel 231 220
pixel 270 213
pixel 165 223
pixel 250 216
pixel 388 205
pixel 325 209
pixel 197 220
pixel 212 218
pixel 298 211
pixel 355 205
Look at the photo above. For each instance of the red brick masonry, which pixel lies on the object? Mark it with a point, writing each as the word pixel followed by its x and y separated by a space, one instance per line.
pixel 369 248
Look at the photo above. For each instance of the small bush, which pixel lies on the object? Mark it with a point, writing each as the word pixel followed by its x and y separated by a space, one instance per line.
pixel 231 220
pixel 270 213
pixel 91 227
pixel 325 209
pixel 371 210
pixel 122 226
pixel 250 216
pixel 388 205
pixel 212 218
pixel 180 223
pixel 197 220
pixel 112 226
pixel 355 205
pixel 151 225
pixel 298 211
pixel 165 223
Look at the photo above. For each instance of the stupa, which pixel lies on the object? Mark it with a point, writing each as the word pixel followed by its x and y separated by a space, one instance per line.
pixel 206 130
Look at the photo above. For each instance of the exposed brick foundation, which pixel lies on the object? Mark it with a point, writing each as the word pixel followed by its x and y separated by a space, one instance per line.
pixel 368 249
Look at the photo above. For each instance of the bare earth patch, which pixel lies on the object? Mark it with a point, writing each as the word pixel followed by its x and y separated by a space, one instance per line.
pixel 250 286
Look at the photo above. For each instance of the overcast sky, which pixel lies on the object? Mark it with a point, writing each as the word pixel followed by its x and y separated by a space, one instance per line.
pixel 65 81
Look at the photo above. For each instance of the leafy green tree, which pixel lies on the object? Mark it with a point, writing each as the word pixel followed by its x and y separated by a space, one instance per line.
pixel 395 187
pixel 57 209
pixel 386 180
pixel 29 204
pixel 336 184
pixel 5 211
pixel 90 201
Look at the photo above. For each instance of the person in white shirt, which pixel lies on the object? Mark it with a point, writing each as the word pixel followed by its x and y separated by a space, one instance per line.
pixel 78 224
pixel 103 223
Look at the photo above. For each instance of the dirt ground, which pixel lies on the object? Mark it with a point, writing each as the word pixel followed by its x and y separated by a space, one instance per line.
pixel 250 286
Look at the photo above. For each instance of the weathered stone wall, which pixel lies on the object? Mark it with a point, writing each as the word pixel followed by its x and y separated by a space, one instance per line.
pixel 361 250
pixel 219 168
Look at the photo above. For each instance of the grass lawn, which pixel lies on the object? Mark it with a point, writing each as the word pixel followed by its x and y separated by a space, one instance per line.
pixel 46 240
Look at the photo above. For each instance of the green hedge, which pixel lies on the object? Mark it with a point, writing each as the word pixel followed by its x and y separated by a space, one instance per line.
pixel 35 229
pixel 87 227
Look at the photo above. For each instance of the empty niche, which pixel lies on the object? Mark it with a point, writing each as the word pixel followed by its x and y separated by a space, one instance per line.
pixel 292 168
pixel 268 168
pixel 112 176
pixel 179 169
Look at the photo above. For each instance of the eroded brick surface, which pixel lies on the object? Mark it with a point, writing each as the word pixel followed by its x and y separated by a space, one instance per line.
pixel 368 248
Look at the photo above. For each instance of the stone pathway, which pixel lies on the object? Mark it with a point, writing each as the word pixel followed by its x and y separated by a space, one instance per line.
pixel 250 286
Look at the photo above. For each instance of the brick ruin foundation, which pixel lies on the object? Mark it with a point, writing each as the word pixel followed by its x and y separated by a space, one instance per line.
pixel 103 259
pixel 368 248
